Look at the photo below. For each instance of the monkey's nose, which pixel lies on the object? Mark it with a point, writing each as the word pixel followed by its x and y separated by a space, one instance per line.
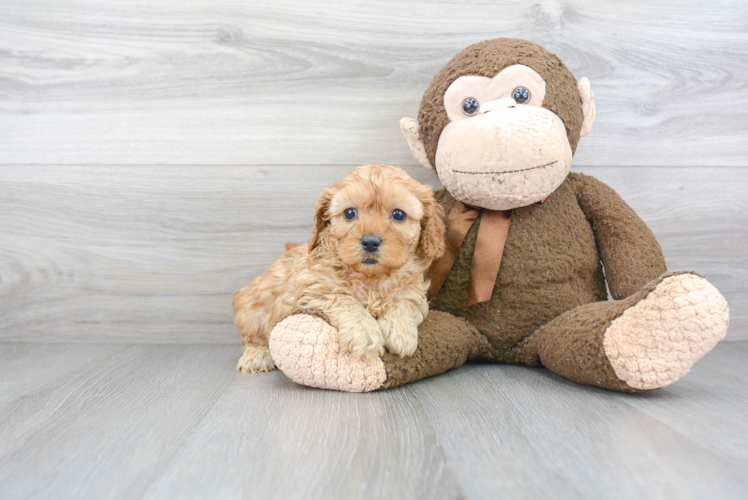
pixel 504 102
pixel 371 242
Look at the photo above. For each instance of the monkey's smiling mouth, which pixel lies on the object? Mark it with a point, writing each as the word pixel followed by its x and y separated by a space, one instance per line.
pixel 504 171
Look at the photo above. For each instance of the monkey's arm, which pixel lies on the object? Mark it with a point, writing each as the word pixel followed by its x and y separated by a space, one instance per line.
pixel 631 255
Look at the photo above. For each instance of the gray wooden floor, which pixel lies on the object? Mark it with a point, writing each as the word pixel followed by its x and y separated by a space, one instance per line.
pixel 103 421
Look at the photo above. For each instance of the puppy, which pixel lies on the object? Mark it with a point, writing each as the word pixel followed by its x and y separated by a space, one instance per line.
pixel 376 232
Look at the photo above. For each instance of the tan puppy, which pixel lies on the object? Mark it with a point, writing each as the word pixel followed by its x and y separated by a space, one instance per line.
pixel 376 232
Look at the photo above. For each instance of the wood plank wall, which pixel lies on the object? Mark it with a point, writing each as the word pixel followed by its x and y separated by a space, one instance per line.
pixel 155 156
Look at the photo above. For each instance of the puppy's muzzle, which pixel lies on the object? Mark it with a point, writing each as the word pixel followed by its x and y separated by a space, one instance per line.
pixel 371 243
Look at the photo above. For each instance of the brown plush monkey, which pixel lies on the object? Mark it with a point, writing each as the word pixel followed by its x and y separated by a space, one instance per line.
pixel 530 246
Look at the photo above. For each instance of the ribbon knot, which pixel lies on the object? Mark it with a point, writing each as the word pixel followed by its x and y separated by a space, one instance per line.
pixel 489 247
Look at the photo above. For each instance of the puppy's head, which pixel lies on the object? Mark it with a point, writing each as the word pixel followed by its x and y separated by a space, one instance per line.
pixel 377 219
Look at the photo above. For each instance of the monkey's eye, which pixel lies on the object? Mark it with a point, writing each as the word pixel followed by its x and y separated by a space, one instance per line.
pixel 470 106
pixel 350 213
pixel 398 214
pixel 521 95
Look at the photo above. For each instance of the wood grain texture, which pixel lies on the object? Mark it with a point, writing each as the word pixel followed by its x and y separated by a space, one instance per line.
pixel 128 254
pixel 325 83
pixel 542 435
pixel 284 441
pixel 108 429
pixel 716 431
pixel 179 422
pixel 17 380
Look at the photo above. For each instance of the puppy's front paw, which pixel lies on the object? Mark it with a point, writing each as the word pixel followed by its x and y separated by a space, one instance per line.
pixel 363 338
pixel 400 335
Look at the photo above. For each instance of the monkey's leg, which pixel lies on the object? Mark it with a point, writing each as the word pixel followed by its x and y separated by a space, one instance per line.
pixel 306 348
pixel 643 342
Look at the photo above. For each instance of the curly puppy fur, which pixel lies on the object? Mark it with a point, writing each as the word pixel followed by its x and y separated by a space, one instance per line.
pixel 375 298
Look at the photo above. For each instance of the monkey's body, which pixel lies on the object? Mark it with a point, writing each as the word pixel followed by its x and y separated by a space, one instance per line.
pixel 551 265
pixel 499 124
pixel 550 307
pixel 550 253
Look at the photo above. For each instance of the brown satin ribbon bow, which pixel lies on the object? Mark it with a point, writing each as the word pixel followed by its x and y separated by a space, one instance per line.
pixel 489 247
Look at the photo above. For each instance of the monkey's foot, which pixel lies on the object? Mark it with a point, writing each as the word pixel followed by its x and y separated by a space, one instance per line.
pixel 306 348
pixel 656 341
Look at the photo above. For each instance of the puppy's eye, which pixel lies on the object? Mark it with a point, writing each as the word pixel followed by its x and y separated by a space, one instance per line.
pixel 350 213
pixel 470 106
pixel 521 95
pixel 398 214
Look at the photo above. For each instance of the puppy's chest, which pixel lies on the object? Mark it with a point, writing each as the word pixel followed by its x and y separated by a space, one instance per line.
pixel 372 298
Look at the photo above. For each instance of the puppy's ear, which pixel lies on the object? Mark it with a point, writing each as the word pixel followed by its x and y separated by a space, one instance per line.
pixel 321 216
pixel 432 227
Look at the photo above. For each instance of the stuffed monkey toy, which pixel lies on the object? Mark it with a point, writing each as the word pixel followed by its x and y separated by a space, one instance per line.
pixel 532 249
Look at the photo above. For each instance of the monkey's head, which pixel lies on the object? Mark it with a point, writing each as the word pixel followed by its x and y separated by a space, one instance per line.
pixel 500 123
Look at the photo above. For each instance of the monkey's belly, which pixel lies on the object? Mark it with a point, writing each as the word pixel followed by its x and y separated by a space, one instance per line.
pixel 550 265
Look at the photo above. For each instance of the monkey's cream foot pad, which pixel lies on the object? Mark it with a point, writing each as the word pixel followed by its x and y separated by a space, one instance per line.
pixel 307 350
pixel 657 341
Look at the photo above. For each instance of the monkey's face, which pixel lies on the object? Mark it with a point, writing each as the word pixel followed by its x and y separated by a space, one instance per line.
pixel 506 140
pixel 501 149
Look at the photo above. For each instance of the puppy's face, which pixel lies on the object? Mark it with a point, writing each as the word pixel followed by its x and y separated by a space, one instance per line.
pixel 380 218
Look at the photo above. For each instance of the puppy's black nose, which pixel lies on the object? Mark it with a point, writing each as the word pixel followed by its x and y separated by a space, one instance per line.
pixel 371 242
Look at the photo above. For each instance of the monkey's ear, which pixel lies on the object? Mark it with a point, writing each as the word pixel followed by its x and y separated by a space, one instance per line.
pixel 588 105
pixel 321 217
pixel 410 130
